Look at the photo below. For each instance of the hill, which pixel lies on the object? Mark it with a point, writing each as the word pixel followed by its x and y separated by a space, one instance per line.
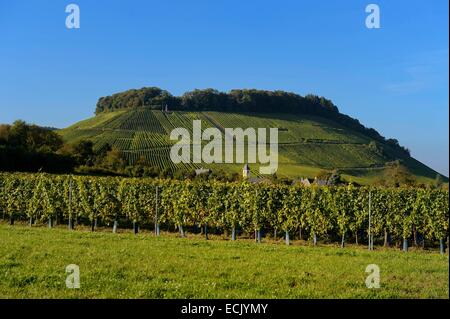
pixel 308 143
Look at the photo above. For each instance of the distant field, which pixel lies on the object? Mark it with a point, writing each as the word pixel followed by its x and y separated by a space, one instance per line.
pixel 33 261
pixel 307 144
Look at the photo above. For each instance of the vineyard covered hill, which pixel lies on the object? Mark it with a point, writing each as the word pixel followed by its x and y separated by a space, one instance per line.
pixel 307 144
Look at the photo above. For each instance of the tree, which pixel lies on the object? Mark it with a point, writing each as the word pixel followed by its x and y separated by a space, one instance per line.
pixel 114 160
pixel 396 175
pixel 4 133
pixel 438 181
pixel 18 134
pixel 81 151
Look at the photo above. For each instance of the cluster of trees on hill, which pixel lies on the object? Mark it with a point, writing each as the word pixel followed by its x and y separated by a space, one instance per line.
pixel 213 100
pixel 238 100
pixel 26 147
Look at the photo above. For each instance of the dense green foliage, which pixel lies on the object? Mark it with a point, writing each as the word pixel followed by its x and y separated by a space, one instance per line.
pixel 330 213
pixel 213 100
pixel 30 148
pixel 33 262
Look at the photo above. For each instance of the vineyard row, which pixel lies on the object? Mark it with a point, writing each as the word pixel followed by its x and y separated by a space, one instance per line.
pixel 331 213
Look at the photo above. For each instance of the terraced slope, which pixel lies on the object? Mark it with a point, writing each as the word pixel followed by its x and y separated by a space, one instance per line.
pixel 306 144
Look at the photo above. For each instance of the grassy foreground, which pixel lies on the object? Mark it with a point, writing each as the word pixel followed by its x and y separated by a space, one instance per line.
pixel 33 262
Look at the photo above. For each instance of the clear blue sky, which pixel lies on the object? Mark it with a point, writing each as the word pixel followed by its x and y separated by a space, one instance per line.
pixel 394 79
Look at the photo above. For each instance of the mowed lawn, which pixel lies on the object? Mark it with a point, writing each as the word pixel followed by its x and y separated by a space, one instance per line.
pixel 33 263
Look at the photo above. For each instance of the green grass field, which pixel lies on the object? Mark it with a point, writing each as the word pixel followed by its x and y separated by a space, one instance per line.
pixel 33 262
pixel 307 144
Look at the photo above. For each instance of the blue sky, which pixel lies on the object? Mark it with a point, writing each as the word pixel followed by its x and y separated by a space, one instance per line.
pixel 394 79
